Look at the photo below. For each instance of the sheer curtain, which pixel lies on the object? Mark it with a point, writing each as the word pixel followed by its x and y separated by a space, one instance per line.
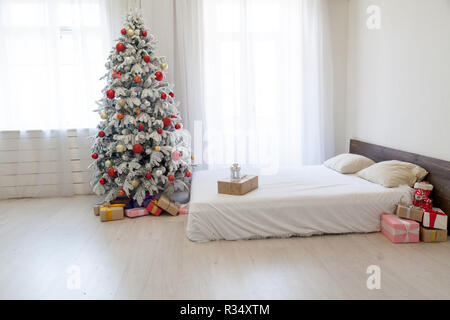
pixel 189 76
pixel 267 83
pixel 53 56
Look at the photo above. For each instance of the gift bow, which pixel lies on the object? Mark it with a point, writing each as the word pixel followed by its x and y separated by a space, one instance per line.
pixel 407 227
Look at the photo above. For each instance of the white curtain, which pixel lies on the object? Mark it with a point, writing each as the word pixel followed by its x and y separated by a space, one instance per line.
pixel 189 63
pixel 53 55
pixel 267 82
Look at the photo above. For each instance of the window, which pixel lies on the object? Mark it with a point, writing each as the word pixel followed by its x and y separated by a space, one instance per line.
pixel 54 54
pixel 253 81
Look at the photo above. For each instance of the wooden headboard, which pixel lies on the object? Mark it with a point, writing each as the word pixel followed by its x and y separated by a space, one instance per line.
pixel 439 170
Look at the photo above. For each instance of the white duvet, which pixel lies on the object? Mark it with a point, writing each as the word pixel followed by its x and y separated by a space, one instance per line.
pixel 295 202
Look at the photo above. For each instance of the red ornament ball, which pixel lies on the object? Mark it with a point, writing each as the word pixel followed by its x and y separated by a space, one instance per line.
pixel 111 172
pixel 110 94
pixel 147 59
pixel 148 176
pixel 144 33
pixel 160 131
pixel 123 31
pixel 178 126
pixel 120 193
pixel 171 177
pixel 159 76
pixel 163 96
pixel 120 47
pixel 137 148
pixel 141 126
pixel 120 116
pixel 101 134
pixel 173 116
pixel 172 94
pixel 94 156
pixel 188 174
pixel 102 181
pixel 137 79
pixel 167 121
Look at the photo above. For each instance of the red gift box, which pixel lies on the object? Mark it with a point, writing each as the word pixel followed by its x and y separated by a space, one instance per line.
pixel 153 208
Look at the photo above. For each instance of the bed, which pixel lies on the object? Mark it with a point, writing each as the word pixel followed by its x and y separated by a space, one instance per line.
pixel 300 201
pixel 305 201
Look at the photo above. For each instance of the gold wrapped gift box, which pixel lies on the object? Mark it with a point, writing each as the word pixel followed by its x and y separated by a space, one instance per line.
pixel 114 212
pixel 410 212
pixel 237 187
pixel 167 205
pixel 432 235
pixel 97 207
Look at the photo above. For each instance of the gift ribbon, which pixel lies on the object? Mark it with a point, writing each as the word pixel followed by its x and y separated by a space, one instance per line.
pixel 108 214
pixel 408 212
pixel 433 215
pixel 433 235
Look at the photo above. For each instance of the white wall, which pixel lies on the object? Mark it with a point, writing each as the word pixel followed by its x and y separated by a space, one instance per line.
pixel 399 76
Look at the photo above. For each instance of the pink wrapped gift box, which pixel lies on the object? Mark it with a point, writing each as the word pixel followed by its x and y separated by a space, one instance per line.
pixel 435 218
pixel 184 209
pixel 399 230
pixel 136 212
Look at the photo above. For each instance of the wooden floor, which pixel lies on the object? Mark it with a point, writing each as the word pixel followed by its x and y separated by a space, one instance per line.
pixel 41 240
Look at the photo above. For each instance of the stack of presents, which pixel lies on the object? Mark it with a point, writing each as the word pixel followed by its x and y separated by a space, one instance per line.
pixel 420 221
pixel 124 206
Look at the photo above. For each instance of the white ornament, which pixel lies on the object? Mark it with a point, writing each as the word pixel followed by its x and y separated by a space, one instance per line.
pixel 135 183
pixel 130 32
pixel 108 163
pixel 121 103
pixel 163 66
pixel 120 148
pixel 104 115
pixel 158 173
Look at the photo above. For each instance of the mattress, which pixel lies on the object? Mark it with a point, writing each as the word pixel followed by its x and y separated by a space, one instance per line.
pixel 300 201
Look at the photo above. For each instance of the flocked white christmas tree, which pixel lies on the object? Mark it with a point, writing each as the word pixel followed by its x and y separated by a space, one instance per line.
pixel 141 148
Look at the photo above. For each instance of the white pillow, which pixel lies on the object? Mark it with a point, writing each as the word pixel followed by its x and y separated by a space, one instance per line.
pixel 348 163
pixel 393 173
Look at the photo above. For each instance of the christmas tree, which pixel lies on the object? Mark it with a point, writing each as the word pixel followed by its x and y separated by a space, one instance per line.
pixel 141 148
